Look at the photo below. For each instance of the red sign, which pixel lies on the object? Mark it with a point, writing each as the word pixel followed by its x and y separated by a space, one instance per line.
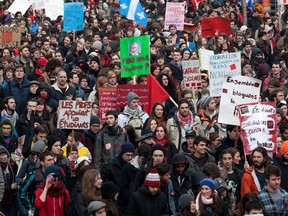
pixel 141 90
pixel 211 25
pixel 107 101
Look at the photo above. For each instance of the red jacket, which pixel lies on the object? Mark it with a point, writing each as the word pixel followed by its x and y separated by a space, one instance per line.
pixel 54 206
pixel 249 182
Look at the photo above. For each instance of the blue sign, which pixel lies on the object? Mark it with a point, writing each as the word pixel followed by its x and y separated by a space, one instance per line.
pixel 73 16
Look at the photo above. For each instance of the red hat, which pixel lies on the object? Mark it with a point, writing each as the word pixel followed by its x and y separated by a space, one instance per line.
pixel 42 61
pixel 92 3
pixel 152 179
pixel 32 18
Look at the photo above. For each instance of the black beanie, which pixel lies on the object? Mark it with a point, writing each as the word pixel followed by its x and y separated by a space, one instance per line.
pixel 51 140
pixel 109 190
pixel 158 147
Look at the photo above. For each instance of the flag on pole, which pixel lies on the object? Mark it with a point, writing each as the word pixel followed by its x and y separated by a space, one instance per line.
pixel 133 10
pixel 156 93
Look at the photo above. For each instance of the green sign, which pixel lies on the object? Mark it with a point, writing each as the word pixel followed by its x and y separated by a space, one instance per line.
pixel 135 56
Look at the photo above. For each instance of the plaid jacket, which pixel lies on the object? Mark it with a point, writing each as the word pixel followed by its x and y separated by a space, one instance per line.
pixel 270 208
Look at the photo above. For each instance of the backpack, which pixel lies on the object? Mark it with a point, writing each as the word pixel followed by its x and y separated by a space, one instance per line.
pixel 136 122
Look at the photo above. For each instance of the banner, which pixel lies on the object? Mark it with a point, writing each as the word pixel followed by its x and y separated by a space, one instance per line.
pixel 140 90
pixel 10 36
pixel 204 58
pixel 135 56
pixel 73 16
pixel 221 65
pixel 174 15
pixel 237 90
pixel 20 5
pixel 74 114
pixel 211 25
pixel 54 8
pixel 191 73
pixel 107 101
pixel 258 126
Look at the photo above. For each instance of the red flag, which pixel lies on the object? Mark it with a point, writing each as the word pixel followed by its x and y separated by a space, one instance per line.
pixel 156 93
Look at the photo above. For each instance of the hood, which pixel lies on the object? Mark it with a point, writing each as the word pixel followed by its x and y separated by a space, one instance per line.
pixel 45 86
pixel 180 158
pixel 134 162
pixel 3 149
pixel 183 149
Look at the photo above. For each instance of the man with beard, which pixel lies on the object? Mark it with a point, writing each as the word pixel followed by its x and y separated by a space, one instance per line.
pixel 273 198
pixel 253 179
pixel 182 121
pixel 109 140
pixel 10 110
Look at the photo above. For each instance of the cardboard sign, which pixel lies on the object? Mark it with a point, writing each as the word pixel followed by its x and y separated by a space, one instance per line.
pixel 204 57
pixel 20 5
pixel 191 73
pixel 107 101
pixel 174 15
pixel 141 90
pixel 74 114
pixel 237 90
pixel 213 24
pixel 135 56
pixel 258 126
pixel 221 65
pixel 73 16
pixel 54 8
pixel 10 36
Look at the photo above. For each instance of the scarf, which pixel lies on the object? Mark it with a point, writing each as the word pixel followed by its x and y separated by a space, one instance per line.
pixel 161 142
pixel 160 121
pixel 113 130
pixel 204 201
pixel 129 111
pixel 55 191
pixel 185 120
pixel 13 118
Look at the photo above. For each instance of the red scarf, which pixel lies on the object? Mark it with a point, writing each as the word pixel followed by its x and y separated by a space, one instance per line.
pixel 185 120
pixel 161 142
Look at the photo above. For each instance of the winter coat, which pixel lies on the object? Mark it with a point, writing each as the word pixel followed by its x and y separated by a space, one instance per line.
pixel 249 182
pixel 103 154
pixel 11 147
pixel 209 159
pixel 283 166
pixel 57 94
pixel 142 203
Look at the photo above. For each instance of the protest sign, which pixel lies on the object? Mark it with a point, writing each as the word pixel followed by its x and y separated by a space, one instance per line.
pixel 20 5
pixel 228 64
pixel 141 90
pixel 258 126
pixel 74 114
pixel 135 56
pixel 237 90
pixel 107 101
pixel 10 36
pixel 212 24
pixel 73 16
pixel 204 58
pixel 174 15
pixel 54 8
pixel 191 73
pixel 282 2
pixel 38 5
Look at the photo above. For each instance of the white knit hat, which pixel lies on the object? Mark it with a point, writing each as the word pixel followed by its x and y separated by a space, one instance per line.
pixel 152 179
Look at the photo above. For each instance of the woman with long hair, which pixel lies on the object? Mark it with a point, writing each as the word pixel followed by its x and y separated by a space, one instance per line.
pixel 186 205
pixel 208 202
pixel 91 186
pixel 42 110
pixel 162 138
pixel 158 113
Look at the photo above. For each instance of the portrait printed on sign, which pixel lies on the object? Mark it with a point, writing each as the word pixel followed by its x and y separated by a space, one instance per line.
pixel 134 48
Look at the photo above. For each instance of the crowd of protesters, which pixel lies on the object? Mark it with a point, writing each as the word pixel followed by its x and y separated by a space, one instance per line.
pixel 176 160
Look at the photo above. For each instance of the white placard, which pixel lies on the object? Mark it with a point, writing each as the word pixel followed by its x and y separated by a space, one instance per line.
pixel 204 57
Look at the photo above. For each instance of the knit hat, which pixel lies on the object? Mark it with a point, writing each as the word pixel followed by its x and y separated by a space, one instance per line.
pixel 32 18
pixel 52 169
pixel 261 34
pixel 208 182
pixel 94 120
pixel 246 42
pixel 51 140
pixel 146 133
pixel 97 45
pixel 158 147
pixel 281 103
pixel 239 32
pixel 127 147
pixel 82 65
pixel 114 46
pixel 184 200
pixel 284 148
pixel 190 133
pixel 152 179
pixel 186 49
pixel 3 150
pixel 206 101
pixel 83 158
pixel 109 190
pixel 95 206
pixel 131 96
pixel 68 149
pixel 38 147
pixel 280 112
pixel 42 61
pixel 267 28
pixel 96 59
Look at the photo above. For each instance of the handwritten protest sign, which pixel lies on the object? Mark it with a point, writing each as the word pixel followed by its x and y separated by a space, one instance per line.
pixel 174 15
pixel 73 16
pixel 107 101
pixel 258 126
pixel 135 56
pixel 237 90
pixel 38 4
pixel 20 5
pixel 212 24
pixel 10 36
pixel 74 114
pixel 204 57
pixel 228 64
pixel 141 90
pixel 191 73
pixel 54 8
